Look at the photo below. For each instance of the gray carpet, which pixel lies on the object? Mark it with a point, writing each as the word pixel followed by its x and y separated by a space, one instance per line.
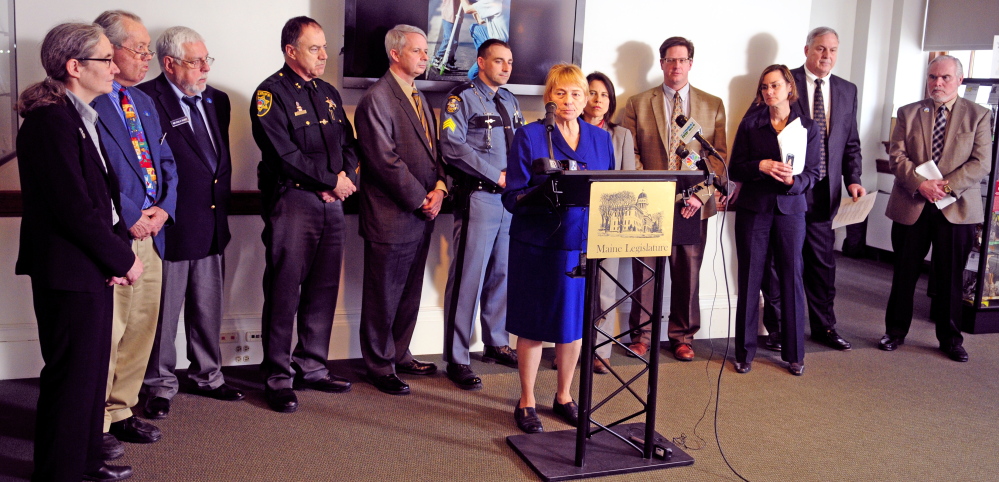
pixel 860 415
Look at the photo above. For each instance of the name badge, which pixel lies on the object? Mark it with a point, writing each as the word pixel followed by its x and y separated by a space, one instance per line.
pixel 180 121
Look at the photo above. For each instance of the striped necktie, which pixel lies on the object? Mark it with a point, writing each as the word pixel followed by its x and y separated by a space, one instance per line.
pixel 939 128
pixel 674 138
pixel 419 113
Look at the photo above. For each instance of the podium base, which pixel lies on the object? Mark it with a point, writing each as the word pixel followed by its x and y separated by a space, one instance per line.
pixel 552 455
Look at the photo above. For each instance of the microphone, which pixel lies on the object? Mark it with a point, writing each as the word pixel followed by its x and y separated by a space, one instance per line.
pixel 550 116
pixel 690 129
pixel 692 159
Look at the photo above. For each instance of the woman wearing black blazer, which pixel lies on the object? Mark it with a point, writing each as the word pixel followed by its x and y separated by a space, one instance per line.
pixel 770 215
pixel 74 247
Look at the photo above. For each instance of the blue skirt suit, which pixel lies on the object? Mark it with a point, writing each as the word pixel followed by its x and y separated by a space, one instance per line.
pixel 543 303
pixel 770 218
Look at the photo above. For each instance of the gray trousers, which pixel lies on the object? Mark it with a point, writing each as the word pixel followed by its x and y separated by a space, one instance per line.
pixel 483 277
pixel 196 287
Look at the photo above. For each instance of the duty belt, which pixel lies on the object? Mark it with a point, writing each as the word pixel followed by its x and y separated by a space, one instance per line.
pixel 486 186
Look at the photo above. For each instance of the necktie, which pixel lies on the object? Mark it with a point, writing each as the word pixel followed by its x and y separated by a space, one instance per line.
pixel 674 138
pixel 201 131
pixel 939 127
pixel 505 117
pixel 819 115
pixel 419 113
pixel 141 147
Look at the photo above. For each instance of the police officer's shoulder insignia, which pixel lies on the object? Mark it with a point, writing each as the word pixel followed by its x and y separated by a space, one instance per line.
pixel 449 124
pixel 452 104
pixel 264 101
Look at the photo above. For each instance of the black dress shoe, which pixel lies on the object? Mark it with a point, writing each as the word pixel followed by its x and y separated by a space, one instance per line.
pixel 156 408
pixel 527 420
pixel 222 392
pixel 111 448
pixel 568 412
pixel 796 369
pixel 956 353
pixel 416 367
pixel 135 430
pixel 463 376
pixel 832 339
pixel 329 384
pixel 390 384
pixel 890 343
pixel 504 355
pixel 743 367
pixel 109 473
pixel 282 400
pixel 773 342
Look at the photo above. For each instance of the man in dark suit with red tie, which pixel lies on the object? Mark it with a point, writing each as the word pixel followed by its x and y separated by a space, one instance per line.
pixel 832 102
pixel 401 195
pixel 195 116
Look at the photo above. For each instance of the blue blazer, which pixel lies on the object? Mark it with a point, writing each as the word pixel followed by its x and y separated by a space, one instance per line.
pixel 755 141
pixel 118 144
pixel 539 226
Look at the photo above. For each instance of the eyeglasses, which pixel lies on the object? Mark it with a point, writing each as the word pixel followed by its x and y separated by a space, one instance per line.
pixel 681 61
pixel 142 55
pixel 197 63
pixel 108 61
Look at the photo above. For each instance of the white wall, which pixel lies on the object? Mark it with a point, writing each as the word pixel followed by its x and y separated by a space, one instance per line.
pixel 622 40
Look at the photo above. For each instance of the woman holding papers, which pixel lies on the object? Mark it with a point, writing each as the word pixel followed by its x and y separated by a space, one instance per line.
pixel 776 157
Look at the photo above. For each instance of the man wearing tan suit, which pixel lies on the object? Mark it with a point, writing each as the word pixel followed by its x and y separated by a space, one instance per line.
pixel 650 116
pixel 955 134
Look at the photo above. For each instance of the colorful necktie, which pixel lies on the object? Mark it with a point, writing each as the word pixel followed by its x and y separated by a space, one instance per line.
pixel 201 131
pixel 674 138
pixel 140 145
pixel 939 127
pixel 819 115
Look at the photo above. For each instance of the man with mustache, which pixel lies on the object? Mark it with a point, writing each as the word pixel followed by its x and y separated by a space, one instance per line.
pixel 956 135
pixel 308 167
pixel 195 116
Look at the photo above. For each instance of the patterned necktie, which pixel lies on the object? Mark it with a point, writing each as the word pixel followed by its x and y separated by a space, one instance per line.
pixel 674 138
pixel 939 127
pixel 819 115
pixel 201 131
pixel 140 145
pixel 419 113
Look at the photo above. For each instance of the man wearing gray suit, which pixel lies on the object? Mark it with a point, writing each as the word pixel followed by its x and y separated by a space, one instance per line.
pixel 954 134
pixel 403 188
pixel 651 118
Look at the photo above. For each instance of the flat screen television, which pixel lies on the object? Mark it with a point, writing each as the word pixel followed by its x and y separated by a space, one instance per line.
pixel 540 32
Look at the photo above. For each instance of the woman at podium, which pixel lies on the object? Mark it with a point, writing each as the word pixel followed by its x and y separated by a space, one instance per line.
pixel 544 304
pixel 770 211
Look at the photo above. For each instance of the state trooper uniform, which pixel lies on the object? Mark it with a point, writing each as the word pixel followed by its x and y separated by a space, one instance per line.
pixel 477 127
pixel 305 141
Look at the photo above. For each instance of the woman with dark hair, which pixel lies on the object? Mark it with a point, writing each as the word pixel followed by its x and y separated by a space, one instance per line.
pixel 74 247
pixel 770 215
pixel 543 303
pixel 599 111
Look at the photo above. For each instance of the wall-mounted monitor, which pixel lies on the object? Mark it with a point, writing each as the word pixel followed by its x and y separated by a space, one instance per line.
pixel 540 32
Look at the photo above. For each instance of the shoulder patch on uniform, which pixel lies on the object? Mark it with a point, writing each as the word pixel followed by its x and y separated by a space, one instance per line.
pixel 452 104
pixel 448 124
pixel 264 100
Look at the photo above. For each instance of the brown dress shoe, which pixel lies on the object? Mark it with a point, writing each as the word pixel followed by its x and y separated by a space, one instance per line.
pixel 683 352
pixel 601 367
pixel 639 348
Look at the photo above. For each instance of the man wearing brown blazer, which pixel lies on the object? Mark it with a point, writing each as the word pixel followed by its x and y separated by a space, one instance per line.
pixel 401 193
pixel 955 134
pixel 650 116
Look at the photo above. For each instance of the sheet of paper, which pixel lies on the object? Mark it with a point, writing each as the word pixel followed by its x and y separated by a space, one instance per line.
pixel 853 212
pixel 929 170
pixel 794 140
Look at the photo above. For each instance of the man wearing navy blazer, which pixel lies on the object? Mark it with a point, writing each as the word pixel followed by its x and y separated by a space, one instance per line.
pixel 195 117
pixel 401 194
pixel 138 150
pixel 842 165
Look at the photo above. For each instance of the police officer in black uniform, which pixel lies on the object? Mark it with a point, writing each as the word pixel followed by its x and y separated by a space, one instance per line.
pixel 308 168
pixel 477 126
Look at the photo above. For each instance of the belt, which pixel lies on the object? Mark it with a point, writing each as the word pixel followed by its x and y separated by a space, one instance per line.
pixel 302 187
pixel 486 186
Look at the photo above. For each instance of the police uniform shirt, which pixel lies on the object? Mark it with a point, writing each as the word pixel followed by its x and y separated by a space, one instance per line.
pixel 305 138
pixel 473 136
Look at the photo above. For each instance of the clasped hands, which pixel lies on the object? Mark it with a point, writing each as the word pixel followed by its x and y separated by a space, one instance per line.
pixel 934 189
pixel 344 188
pixel 130 277
pixel 149 224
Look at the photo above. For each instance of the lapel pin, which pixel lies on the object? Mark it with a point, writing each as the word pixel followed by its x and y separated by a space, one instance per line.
pixel 926 109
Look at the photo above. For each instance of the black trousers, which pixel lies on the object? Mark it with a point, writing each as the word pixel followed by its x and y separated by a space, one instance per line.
pixel 74 332
pixel 390 301
pixel 951 246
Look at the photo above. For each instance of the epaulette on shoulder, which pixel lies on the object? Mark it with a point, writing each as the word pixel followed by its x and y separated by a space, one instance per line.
pixel 458 89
